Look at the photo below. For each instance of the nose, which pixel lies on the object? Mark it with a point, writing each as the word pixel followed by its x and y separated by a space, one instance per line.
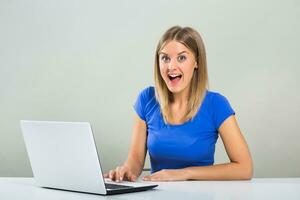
pixel 170 67
pixel 172 64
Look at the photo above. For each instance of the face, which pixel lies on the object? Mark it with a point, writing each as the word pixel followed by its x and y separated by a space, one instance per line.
pixel 177 64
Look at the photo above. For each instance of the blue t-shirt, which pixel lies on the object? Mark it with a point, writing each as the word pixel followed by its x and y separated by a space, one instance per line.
pixel 189 144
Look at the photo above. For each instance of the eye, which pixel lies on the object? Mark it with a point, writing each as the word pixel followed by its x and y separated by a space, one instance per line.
pixel 165 58
pixel 181 58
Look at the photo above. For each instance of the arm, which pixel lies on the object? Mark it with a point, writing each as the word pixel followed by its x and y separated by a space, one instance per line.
pixel 134 164
pixel 240 165
pixel 137 151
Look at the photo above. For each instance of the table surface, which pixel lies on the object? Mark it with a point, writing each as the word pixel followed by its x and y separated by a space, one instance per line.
pixel 258 188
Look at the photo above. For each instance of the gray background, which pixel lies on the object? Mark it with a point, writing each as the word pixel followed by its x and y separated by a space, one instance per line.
pixel 87 61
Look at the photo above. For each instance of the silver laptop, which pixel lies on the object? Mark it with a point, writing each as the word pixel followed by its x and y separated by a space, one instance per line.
pixel 63 155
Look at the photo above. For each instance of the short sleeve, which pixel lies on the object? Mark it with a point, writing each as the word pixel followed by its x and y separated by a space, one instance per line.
pixel 222 109
pixel 141 102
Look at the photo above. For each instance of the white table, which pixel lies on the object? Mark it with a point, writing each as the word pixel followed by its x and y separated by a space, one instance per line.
pixel 265 189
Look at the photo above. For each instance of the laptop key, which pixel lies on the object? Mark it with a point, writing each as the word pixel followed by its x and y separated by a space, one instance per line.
pixel 111 186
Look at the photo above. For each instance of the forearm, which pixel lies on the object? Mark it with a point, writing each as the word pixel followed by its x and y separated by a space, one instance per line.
pixel 136 165
pixel 227 171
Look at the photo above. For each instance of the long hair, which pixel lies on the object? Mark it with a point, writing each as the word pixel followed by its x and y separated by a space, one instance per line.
pixel 199 83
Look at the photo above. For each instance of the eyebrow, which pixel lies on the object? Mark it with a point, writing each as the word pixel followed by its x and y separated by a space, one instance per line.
pixel 177 54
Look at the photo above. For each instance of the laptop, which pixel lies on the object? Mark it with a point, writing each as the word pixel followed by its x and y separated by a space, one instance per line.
pixel 63 155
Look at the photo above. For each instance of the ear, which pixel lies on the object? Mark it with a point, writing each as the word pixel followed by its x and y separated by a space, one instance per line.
pixel 196 66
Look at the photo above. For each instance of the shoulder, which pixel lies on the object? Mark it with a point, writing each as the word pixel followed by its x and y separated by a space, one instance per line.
pixel 148 91
pixel 146 102
pixel 147 95
pixel 220 107
pixel 216 101
pixel 215 97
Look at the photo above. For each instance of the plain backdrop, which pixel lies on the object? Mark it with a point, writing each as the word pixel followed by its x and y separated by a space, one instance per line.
pixel 74 60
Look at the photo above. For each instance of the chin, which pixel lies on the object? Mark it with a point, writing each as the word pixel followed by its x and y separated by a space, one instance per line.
pixel 174 90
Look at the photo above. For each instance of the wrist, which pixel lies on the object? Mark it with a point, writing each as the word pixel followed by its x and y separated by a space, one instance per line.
pixel 185 173
pixel 133 168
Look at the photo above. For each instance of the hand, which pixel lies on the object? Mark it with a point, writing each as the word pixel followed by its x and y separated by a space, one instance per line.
pixel 166 175
pixel 121 173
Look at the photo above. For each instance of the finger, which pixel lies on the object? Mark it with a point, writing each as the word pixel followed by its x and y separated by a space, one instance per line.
pixel 117 175
pixel 105 175
pixel 153 177
pixel 132 177
pixel 122 173
pixel 147 178
pixel 111 174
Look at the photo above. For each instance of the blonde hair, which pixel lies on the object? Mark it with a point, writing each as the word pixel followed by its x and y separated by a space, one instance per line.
pixel 199 83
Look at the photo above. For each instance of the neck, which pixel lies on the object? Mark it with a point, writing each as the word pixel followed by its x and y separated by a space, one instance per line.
pixel 180 98
pixel 178 108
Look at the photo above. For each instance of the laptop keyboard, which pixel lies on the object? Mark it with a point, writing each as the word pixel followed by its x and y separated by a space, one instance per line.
pixel 111 186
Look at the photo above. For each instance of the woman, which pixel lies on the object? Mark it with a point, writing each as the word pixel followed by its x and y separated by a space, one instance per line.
pixel 179 120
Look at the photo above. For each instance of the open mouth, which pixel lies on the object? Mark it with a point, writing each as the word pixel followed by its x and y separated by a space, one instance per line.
pixel 175 78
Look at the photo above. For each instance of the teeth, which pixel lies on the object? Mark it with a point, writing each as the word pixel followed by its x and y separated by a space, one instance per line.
pixel 174 75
